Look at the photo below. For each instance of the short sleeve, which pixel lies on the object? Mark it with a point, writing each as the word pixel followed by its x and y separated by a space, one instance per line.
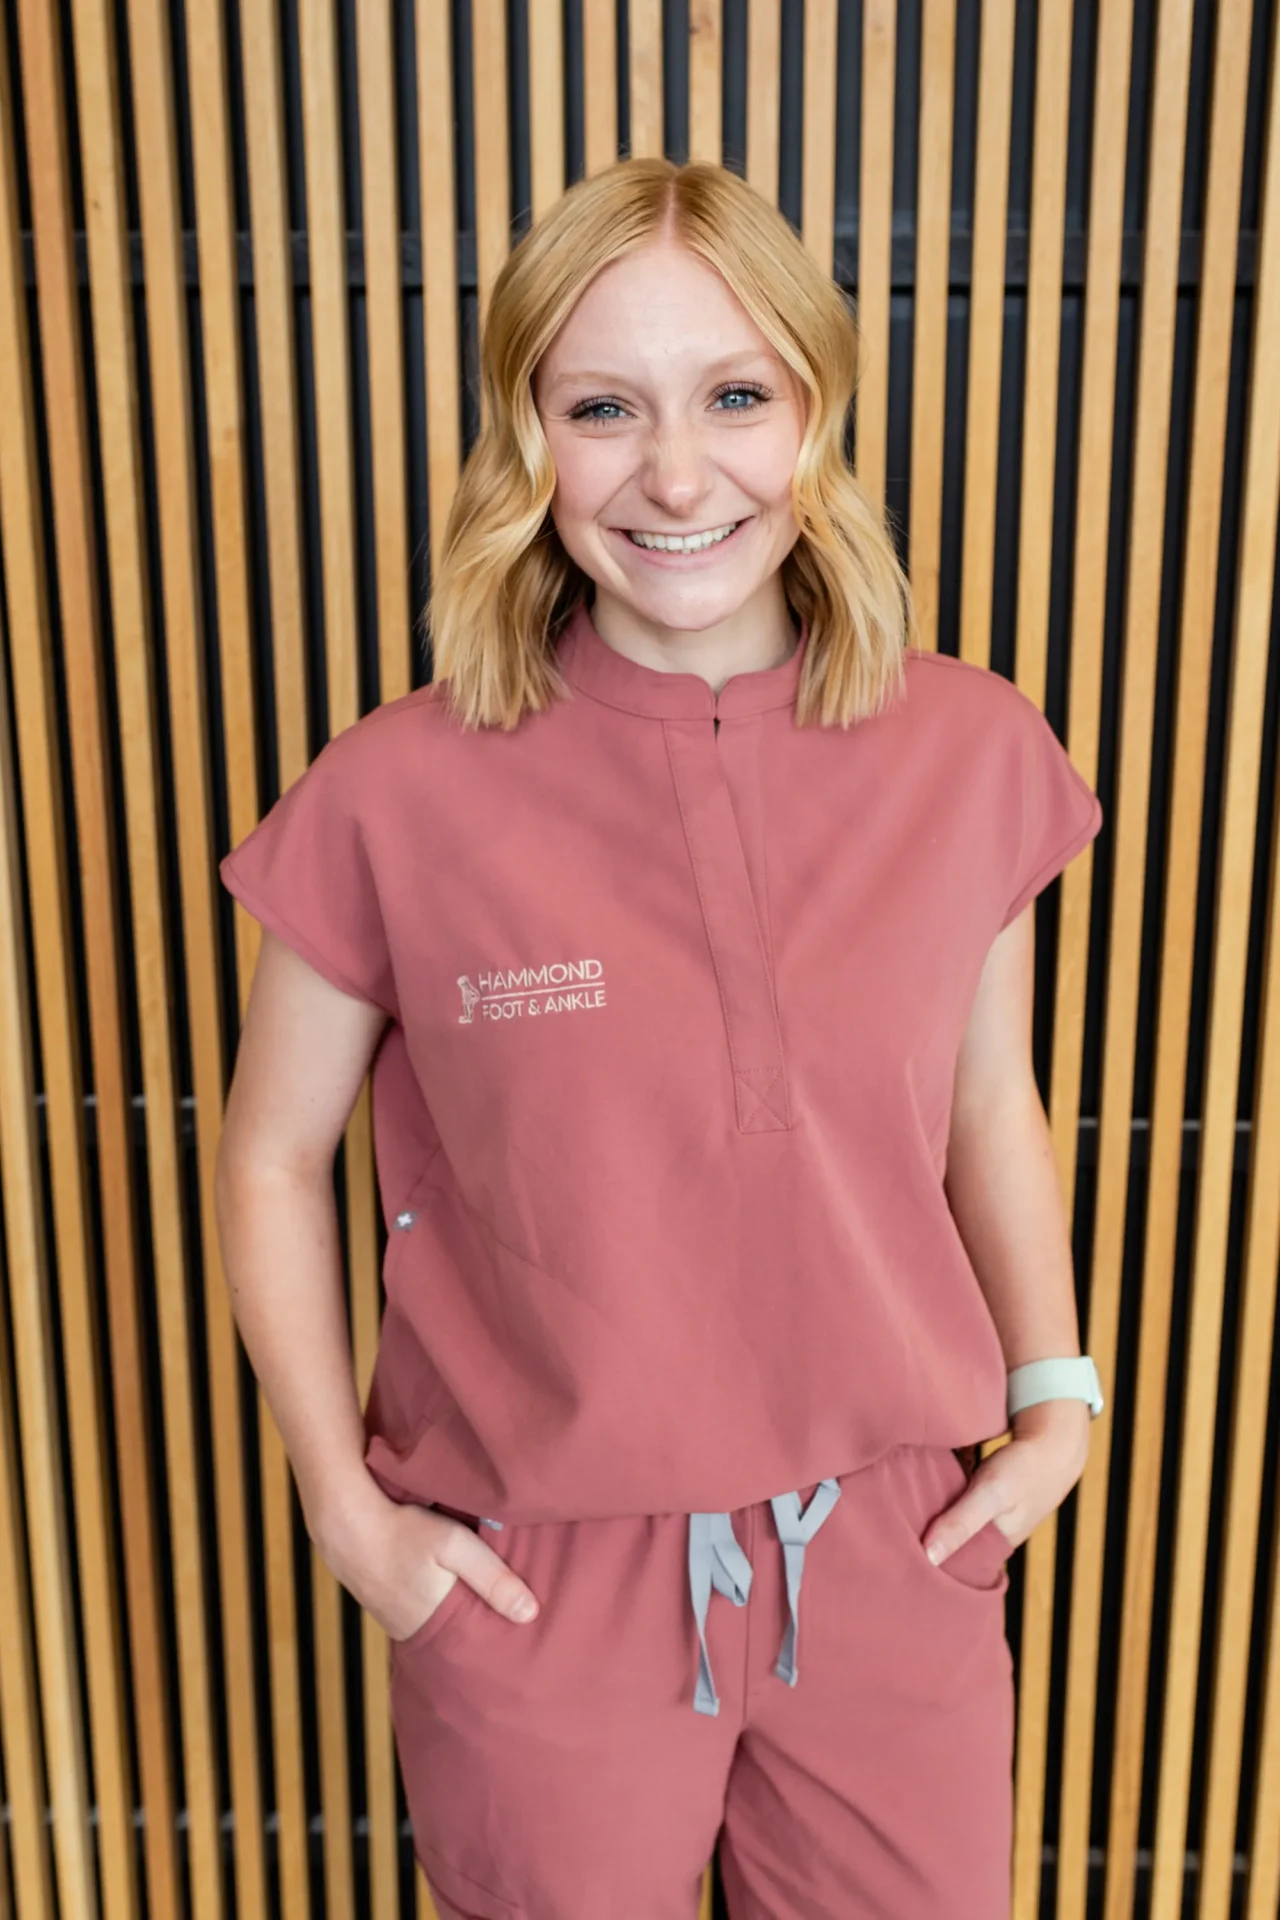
pixel 304 872
pixel 1054 812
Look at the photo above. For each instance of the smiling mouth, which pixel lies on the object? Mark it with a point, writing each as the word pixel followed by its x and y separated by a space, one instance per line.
pixel 680 543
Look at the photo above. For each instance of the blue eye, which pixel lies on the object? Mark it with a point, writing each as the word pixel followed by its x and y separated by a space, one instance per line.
pixel 586 409
pixel 756 395
pixel 589 409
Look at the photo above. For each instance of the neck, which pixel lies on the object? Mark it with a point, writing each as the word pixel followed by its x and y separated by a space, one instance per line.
pixel 759 635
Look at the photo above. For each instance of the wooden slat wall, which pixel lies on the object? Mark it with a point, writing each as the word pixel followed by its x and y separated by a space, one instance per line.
pixel 244 254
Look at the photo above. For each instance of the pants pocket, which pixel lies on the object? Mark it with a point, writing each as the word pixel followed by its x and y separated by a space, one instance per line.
pixel 931 1480
pixel 447 1619
pixel 982 1562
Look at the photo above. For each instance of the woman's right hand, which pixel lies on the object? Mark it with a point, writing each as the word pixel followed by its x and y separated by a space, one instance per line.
pixel 409 1559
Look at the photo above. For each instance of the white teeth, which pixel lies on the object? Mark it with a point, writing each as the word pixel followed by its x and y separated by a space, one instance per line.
pixel 693 543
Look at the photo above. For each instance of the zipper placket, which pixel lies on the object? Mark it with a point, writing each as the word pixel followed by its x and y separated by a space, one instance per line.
pixel 738 949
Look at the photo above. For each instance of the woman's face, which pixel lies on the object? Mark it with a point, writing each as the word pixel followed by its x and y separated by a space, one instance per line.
pixel 668 412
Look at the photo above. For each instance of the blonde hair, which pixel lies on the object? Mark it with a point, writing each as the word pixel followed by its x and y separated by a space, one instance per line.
pixel 505 586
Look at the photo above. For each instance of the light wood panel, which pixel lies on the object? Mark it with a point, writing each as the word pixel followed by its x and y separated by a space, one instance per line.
pixel 491 158
pixel 706 52
pixel 1099 1331
pixel 818 159
pixel 875 243
pixel 439 264
pixel 220 337
pixel 1035 567
pixel 381 210
pixel 546 103
pixel 275 349
pixel 600 86
pixel 326 237
pixel 644 66
pixel 929 340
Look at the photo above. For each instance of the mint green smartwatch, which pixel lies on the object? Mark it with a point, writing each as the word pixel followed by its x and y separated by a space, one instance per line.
pixel 1073 1379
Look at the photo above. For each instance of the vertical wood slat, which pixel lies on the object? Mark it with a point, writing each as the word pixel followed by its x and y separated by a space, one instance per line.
pixel 439 266
pixel 644 76
pixel 1100 1335
pixel 929 354
pixel 986 353
pixel 1035 566
pixel 278 404
pixel 376 79
pixel 1242 1547
pixel 821 70
pixel 97 76
pixel 385 332
pixel 44 1689
pixel 220 333
pixel 706 50
pixel 326 232
pixel 546 103
pixel 875 244
pixel 491 158
pixel 764 55
pixel 21 1684
pixel 599 83
pixel 1128 839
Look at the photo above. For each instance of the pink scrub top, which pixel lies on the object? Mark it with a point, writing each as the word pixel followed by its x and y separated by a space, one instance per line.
pixel 674 992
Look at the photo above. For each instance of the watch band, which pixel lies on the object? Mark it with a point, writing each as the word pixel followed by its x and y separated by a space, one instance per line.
pixel 1066 1379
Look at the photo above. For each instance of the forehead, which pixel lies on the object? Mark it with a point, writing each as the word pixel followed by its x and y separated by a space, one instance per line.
pixel 658 303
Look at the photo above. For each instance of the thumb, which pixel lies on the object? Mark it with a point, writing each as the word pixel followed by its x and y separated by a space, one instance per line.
pixel 965 1517
pixel 488 1573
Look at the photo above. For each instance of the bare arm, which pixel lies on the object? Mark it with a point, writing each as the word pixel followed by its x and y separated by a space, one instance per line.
pixel 304 1052
pixel 305 1049
pixel 1002 1179
pixel 1003 1190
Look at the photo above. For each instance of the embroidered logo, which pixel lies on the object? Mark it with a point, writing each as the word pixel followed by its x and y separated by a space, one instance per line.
pixel 526 993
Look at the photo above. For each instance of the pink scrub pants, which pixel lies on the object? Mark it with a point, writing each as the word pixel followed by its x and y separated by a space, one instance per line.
pixel 849 1748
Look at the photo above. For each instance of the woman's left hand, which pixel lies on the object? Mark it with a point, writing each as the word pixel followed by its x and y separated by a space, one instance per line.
pixel 1022 1481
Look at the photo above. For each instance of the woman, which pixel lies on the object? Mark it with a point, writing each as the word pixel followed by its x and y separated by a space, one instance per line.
pixel 686 920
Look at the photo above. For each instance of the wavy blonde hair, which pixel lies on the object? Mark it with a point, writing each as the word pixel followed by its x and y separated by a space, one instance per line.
pixel 505 586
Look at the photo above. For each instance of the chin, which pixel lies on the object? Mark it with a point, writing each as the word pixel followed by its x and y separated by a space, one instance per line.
pixel 686 609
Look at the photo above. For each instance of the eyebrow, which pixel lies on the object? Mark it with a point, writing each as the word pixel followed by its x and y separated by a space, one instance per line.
pixel 747 357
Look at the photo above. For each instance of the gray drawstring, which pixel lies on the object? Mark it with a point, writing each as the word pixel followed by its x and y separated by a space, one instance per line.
pixel 716 1560
pixel 795 1530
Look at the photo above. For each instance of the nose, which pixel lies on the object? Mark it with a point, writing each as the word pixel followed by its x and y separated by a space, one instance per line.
pixel 677 473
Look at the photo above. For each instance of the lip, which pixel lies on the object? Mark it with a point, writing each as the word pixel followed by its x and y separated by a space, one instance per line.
pixel 706 556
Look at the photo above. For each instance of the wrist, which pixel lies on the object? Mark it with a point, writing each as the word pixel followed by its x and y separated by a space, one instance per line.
pixel 1064 1421
pixel 343 1516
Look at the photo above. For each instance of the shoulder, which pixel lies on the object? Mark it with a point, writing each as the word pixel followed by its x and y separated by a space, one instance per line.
pixel 964 700
pixel 397 736
pixel 388 725
pixel 942 676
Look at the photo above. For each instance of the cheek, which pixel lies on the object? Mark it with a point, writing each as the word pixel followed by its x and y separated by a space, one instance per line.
pixel 764 467
pixel 587 477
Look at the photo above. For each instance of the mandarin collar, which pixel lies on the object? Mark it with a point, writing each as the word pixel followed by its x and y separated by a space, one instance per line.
pixel 595 668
